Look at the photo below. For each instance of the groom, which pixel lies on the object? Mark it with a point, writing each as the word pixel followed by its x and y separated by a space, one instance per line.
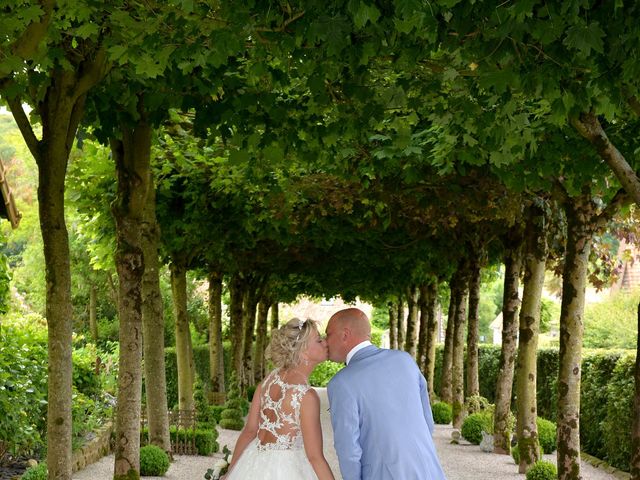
pixel 380 411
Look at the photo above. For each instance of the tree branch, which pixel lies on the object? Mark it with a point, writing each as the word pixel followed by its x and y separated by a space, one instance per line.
pixel 590 128
pixel 284 25
pixel 620 199
pixel 94 71
pixel 15 105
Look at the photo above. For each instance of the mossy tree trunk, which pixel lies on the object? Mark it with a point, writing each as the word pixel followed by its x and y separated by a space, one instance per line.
pixel 216 357
pixel 261 340
pixel 275 316
pixel 461 279
pixel 535 255
pixel 237 287
pixel 447 354
pixel 473 383
pixel 422 330
pixel 579 214
pixel 402 324
pixel 411 340
pixel 511 303
pixel 431 304
pixel 393 325
pixel 635 427
pixel 132 158
pixel 251 298
pixel 184 353
pixel 60 110
pixel 153 328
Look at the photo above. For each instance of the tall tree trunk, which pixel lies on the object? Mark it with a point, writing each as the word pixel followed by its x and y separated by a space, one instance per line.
pixel 261 340
pixel 393 325
pixel 60 110
pixel 216 357
pixel 511 303
pixel 473 383
pixel 431 301
pixel 249 324
pixel 447 355
pixel 183 337
pixel 275 316
pixel 411 340
pixel 402 324
pixel 423 303
pixel 132 158
pixel 237 287
pixel 635 428
pixel 153 328
pixel 461 278
pixel 93 314
pixel 526 370
pixel 579 234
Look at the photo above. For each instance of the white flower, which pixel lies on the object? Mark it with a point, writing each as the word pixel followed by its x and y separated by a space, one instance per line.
pixel 220 464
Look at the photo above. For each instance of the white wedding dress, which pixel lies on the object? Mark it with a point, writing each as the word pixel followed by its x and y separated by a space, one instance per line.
pixel 277 453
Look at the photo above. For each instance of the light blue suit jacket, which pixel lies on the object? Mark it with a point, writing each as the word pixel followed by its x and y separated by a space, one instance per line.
pixel 382 420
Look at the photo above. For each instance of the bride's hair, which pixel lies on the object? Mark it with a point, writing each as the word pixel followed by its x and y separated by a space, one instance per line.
pixel 289 341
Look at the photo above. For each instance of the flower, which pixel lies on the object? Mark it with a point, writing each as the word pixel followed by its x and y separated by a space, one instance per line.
pixel 220 467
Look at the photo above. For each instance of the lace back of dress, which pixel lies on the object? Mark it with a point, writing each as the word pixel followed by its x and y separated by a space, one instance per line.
pixel 279 427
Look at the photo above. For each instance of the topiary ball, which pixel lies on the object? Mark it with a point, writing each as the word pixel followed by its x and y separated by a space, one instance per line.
pixel 154 462
pixel 473 426
pixel 542 470
pixel 230 413
pixel 442 413
pixel 232 423
pixel 546 435
pixel 39 472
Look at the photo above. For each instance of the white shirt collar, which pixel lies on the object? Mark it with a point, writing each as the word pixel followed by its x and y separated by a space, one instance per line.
pixel 356 349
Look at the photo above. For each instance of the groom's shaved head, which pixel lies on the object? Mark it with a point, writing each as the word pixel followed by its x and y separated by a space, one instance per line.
pixel 356 321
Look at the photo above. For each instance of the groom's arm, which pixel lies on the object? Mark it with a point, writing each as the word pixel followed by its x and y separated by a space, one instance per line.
pixel 346 429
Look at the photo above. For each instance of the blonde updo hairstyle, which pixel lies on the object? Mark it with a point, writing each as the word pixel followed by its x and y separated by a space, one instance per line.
pixel 289 341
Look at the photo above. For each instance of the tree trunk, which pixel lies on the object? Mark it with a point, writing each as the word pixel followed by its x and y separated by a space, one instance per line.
pixel 431 296
pixel 249 325
pixel 153 328
pixel 574 275
pixel 635 428
pixel 402 324
pixel 237 286
pixel 275 316
pixel 183 337
pixel 447 354
pixel 526 370
pixel 216 357
pixel 393 325
pixel 261 341
pixel 461 279
pixel 93 314
pixel 423 303
pixel 504 385
pixel 132 158
pixel 473 383
pixel 411 339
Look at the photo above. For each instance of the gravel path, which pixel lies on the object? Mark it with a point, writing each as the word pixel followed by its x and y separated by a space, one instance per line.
pixel 460 462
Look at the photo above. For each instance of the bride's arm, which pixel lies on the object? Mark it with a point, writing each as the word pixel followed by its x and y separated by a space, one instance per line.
pixel 312 435
pixel 250 430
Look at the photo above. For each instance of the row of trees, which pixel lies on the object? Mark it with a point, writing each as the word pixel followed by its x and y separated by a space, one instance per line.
pixel 361 148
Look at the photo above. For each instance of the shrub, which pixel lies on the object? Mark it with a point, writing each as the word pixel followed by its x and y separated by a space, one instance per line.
pixel 231 416
pixel 475 404
pixel 546 435
pixel 203 438
pixel 542 470
pixel 515 454
pixel 323 373
pixel 228 413
pixel 154 462
pixel 473 426
pixel 215 412
pixel 39 472
pixel 442 413
pixel 232 423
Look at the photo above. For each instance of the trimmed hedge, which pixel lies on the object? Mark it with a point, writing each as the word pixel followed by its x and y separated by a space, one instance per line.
pixel 442 413
pixel 154 462
pixel 542 470
pixel 607 391
pixel 473 426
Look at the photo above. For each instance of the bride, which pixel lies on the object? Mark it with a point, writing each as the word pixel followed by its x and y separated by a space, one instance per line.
pixel 283 437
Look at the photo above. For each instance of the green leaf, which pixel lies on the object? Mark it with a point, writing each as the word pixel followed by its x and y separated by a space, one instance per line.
pixel 585 38
pixel 365 13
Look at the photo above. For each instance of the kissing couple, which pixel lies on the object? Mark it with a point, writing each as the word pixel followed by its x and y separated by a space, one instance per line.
pixel 379 405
